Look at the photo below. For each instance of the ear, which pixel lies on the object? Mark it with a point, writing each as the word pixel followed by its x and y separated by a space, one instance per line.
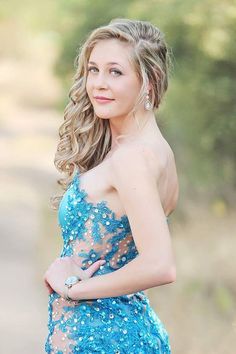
pixel 149 87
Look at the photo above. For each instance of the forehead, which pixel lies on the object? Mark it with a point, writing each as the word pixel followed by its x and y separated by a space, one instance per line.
pixel 111 51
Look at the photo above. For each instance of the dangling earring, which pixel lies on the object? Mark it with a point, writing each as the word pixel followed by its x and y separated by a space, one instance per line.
pixel 147 103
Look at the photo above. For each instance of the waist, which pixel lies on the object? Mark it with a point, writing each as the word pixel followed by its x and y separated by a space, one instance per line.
pixel 138 296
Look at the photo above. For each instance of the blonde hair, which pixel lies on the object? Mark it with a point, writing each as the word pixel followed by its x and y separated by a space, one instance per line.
pixel 85 139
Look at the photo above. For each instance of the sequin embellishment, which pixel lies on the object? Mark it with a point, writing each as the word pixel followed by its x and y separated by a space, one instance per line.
pixel 115 325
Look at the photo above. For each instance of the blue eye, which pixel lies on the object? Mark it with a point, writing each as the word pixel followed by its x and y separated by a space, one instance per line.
pixel 116 71
pixel 91 67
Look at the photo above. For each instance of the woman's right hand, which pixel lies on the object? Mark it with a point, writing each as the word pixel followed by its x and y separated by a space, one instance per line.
pixel 73 268
pixel 88 273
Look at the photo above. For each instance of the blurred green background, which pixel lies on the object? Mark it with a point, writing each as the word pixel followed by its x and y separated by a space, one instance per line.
pixel 39 42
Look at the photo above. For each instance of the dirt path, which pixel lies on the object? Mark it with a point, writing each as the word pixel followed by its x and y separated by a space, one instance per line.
pixel 28 135
pixel 198 309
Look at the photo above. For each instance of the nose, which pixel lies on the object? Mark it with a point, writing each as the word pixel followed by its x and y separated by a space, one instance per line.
pixel 100 81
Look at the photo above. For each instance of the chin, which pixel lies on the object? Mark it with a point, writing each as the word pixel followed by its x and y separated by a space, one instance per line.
pixel 109 114
pixel 102 115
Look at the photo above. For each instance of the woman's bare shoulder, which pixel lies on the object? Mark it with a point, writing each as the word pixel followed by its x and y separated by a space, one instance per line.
pixel 147 164
pixel 135 150
pixel 138 156
pixel 132 153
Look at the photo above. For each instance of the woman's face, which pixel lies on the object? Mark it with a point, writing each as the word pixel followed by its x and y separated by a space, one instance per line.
pixel 111 75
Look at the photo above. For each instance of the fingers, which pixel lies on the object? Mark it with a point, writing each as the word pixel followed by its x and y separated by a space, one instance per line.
pixel 76 260
pixel 94 267
pixel 77 267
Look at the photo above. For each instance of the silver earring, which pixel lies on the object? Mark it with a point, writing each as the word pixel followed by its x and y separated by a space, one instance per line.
pixel 147 103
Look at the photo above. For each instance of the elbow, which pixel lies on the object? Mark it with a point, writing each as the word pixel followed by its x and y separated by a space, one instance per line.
pixel 166 275
pixel 161 272
pixel 171 275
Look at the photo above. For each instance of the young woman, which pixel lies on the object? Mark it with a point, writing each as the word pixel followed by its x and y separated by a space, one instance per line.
pixel 121 186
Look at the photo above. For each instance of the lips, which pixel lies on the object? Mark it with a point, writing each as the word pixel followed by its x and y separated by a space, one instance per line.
pixel 103 98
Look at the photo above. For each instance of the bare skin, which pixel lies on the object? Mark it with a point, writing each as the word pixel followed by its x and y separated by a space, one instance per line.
pixel 120 83
pixel 137 177
pixel 167 183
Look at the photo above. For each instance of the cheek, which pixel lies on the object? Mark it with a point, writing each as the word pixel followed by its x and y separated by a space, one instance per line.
pixel 129 91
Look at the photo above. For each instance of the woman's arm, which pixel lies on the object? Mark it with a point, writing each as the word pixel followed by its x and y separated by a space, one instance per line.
pixel 154 266
pixel 138 274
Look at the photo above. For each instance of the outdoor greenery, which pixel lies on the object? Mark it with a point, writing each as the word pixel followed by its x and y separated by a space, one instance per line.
pixel 198 113
pixel 39 42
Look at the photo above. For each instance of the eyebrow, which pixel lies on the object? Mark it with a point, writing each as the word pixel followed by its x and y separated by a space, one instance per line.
pixel 110 63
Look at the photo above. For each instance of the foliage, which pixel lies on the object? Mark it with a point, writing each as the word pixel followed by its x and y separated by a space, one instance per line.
pixel 198 112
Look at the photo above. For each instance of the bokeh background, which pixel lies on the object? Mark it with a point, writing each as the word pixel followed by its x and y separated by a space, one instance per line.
pixel 39 42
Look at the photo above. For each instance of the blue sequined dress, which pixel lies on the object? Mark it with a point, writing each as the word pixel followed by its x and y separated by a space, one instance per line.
pixel 124 324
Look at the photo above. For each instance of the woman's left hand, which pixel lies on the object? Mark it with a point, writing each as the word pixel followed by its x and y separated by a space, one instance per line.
pixel 62 268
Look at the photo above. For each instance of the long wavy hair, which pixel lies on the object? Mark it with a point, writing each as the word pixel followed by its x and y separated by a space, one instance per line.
pixel 85 139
